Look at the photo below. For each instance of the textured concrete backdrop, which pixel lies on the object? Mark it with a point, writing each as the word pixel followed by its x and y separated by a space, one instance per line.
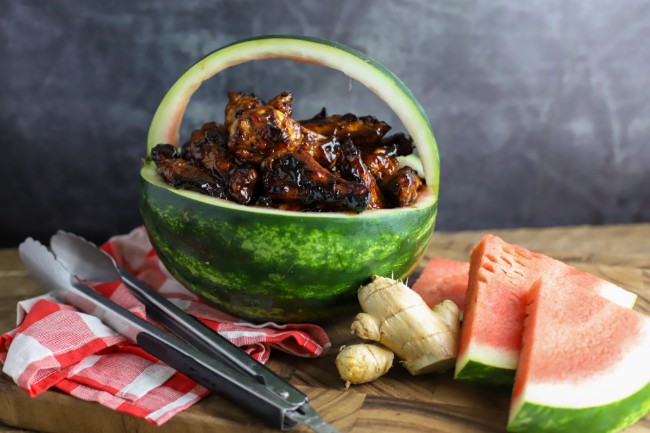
pixel 540 108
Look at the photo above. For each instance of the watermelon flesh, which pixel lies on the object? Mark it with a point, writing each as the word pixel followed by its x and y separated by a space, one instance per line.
pixel 584 365
pixel 500 277
pixel 443 279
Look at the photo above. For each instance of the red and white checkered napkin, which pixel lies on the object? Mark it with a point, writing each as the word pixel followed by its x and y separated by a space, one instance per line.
pixel 54 345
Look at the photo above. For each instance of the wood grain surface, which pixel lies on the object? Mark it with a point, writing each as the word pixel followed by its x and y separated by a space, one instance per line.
pixel 397 402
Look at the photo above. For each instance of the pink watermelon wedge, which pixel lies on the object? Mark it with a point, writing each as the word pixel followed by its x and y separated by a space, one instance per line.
pixel 499 279
pixel 584 365
pixel 443 279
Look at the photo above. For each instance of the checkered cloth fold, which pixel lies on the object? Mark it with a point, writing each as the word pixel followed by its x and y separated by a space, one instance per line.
pixel 54 345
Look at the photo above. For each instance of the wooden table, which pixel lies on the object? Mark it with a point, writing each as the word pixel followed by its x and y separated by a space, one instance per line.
pixel 395 403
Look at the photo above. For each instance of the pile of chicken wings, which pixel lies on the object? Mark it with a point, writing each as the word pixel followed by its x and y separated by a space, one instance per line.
pixel 261 156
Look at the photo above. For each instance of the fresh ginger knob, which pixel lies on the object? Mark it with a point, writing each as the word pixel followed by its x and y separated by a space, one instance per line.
pixel 365 326
pixel 425 340
pixel 360 363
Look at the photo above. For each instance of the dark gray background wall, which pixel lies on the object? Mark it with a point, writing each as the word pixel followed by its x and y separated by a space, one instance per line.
pixel 540 108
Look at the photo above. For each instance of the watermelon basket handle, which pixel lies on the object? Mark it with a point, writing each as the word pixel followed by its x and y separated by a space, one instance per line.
pixel 166 122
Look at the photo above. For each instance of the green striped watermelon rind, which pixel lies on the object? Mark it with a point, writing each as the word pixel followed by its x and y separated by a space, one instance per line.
pixel 268 264
pixel 478 373
pixel 532 418
pixel 283 266
pixel 484 365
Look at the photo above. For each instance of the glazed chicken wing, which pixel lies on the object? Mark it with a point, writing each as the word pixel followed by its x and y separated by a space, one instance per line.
pixel 382 166
pixel 258 132
pixel 323 149
pixel 208 147
pixel 211 134
pixel 297 178
pixel 352 167
pixel 238 103
pixel 398 144
pixel 363 131
pixel 181 173
pixel 403 188
pixel 282 102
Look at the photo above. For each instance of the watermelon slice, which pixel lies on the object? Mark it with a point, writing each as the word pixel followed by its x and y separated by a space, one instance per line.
pixel 499 279
pixel 443 279
pixel 584 365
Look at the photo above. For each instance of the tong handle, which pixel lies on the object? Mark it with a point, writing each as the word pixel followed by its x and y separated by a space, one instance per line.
pixel 223 380
pixel 208 341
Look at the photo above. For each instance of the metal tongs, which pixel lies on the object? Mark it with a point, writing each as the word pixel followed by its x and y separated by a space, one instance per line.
pixel 194 350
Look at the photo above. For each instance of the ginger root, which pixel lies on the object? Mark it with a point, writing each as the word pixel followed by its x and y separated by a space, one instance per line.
pixel 361 363
pixel 425 340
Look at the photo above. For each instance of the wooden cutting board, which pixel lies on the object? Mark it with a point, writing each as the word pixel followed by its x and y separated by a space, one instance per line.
pixel 397 402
